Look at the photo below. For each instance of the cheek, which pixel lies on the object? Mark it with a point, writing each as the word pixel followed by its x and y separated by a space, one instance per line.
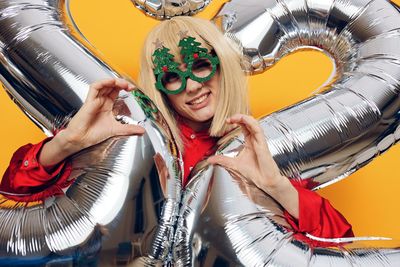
pixel 175 101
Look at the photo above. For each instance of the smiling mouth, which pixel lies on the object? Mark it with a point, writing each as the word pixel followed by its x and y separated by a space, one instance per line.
pixel 199 99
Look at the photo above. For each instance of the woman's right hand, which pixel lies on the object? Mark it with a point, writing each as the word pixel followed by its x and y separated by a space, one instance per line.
pixel 92 124
pixel 95 121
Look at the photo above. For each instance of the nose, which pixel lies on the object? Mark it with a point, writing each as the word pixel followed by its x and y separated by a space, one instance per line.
pixel 192 86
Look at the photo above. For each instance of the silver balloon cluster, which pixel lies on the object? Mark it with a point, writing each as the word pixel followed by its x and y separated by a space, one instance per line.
pixel 113 203
pixel 321 139
pixel 337 131
pixel 162 9
pixel 118 210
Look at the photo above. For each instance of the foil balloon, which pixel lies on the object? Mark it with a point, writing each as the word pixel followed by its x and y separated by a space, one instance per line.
pixel 334 132
pixel 321 139
pixel 230 222
pixel 47 74
pixel 116 204
pixel 163 9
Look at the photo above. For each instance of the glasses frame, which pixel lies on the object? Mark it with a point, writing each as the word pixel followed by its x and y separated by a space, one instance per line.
pixel 183 75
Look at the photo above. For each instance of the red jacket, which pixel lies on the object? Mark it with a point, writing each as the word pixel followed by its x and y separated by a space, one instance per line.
pixel 26 180
pixel 317 217
pixel 26 176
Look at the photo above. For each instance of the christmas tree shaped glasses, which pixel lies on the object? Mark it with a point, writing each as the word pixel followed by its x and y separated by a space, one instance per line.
pixel 201 66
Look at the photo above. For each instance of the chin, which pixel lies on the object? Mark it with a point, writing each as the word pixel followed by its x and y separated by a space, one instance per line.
pixel 204 116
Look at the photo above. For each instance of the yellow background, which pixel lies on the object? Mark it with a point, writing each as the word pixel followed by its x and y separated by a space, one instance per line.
pixel 368 198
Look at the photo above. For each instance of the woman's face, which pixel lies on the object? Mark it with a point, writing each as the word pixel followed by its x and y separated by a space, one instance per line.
pixel 197 102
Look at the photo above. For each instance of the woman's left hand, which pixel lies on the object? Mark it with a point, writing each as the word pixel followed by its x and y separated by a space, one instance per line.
pixel 255 161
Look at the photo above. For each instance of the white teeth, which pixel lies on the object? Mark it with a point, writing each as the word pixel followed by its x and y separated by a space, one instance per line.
pixel 198 100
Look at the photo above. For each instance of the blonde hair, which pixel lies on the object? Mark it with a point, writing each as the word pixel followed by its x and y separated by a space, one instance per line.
pixel 232 94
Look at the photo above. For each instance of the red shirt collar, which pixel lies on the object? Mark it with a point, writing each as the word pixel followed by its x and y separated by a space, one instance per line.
pixel 187 131
pixel 197 146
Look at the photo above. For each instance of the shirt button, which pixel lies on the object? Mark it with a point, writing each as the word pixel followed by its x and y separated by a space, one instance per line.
pixel 192 136
pixel 26 163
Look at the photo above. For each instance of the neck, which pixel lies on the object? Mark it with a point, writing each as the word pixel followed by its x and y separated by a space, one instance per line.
pixel 197 126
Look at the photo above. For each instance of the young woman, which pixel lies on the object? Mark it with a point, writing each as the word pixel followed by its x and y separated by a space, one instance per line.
pixel 193 74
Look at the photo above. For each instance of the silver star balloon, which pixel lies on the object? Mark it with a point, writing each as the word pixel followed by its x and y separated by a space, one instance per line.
pixel 164 9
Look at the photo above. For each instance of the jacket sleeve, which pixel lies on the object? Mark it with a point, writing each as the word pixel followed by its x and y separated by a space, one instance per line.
pixel 317 216
pixel 26 180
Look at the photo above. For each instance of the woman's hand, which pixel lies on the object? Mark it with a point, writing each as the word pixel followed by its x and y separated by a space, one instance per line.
pixel 255 163
pixel 92 124
pixel 95 121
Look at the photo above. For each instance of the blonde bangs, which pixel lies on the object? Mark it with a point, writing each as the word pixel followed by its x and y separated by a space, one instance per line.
pixel 232 94
pixel 168 33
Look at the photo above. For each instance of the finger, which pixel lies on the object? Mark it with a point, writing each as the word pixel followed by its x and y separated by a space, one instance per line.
pixel 227 163
pixel 236 175
pixel 122 84
pixel 251 126
pixel 223 161
pixel 131 86
pixel 264 156
pixel 96 87
pixel 249 122
pixel 106 86
pixel 128 129
pixel 236 120
pixel 109 82
pixel 105 91
pixel 256 138
pixel 113 92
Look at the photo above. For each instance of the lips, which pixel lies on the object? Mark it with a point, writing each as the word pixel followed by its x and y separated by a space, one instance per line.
pixel 198 100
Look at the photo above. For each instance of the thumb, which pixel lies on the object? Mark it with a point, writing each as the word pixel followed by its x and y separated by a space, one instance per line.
pixel 128 129
pixel 224 161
